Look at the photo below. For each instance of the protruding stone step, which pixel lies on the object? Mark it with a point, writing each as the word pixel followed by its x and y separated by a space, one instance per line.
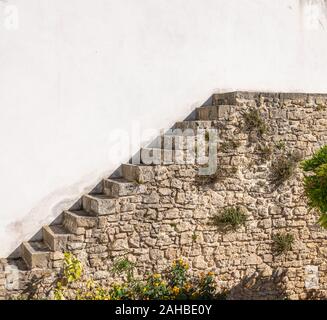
pixel 229 98
pixel 138 173
pixel 193 125
pixel 100 204
pixel 77 221
pixel 234 98
pixel 55 237
pixel 120 187
pixel 213 112
pixel 36 255
pixel 157 156
pixel 178 142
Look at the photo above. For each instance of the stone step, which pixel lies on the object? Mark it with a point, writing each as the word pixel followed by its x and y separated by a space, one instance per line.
pixel 193 125
pixel 100 204
pixel 177 142
pixel 120 187
pixel 36 254
pixel 229 98
pixel 207 113
pixel 234 98
pixel 137 173
pixel 55 237
pixel 77 221
pixel 156 156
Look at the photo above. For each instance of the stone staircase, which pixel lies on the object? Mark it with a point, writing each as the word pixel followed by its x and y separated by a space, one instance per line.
pixel 117 193
pixel 158 208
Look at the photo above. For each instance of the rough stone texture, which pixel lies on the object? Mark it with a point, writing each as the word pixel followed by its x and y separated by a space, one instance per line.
pixel 170 216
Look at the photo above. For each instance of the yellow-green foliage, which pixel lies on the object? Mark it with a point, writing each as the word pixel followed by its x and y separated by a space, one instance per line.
pixel 174 284
pixel 72 272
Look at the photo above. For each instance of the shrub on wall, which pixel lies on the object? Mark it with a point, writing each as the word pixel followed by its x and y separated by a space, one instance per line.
pixel 283 167
pixel 253 121
pixel 283 243
pixel 174 284
pixel 315 183
pixel 230 219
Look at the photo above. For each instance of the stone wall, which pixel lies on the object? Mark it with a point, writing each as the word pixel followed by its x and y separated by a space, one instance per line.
pixel 171 215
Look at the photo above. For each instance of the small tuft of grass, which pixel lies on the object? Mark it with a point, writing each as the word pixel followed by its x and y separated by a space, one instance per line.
pixel 174 226
pixel 230 219
pixel 230 145
pixel 266 151
pixel 253 121
pixel 123 266
pixel 282 243
pixel 321 107
pixel 207 136
pixel 283 168
pixel 280 145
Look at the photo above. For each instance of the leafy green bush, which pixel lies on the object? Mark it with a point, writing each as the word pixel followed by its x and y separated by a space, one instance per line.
pixel 315 184
pixel 72 272
pixel 174 284
pixel 283 242
pixel 230 219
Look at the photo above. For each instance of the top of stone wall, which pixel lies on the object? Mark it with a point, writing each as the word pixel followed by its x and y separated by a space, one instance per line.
pixel 232 97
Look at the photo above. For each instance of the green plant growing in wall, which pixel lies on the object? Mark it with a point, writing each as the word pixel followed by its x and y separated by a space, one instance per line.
pixel 230 219
pixel 315 183
pixel 283 167
pixel 280 145
pixel 321 107
pixel 123 265
pixel 253 121
pixel 283 243
pixel 265 151
pixel 207 136
pixel 230 145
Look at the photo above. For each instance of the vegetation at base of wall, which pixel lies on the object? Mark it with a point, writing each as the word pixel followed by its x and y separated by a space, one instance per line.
pixel 72 272
pixel 253 121
pixel 174 284
pixel 283 167
pixel 230 219
pixel 283 243
pixel 315 183
pixel 123 265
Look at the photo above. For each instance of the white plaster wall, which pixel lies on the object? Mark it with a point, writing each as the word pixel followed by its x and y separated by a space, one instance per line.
pixel 74 71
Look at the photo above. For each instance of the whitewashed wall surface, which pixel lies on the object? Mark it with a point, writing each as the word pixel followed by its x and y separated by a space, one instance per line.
pixel 78 78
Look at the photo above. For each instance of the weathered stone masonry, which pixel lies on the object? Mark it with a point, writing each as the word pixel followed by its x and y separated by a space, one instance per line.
pixel 155 214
